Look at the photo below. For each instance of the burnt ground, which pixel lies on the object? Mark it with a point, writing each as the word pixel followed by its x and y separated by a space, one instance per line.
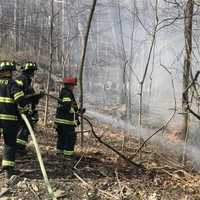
pixel 100 174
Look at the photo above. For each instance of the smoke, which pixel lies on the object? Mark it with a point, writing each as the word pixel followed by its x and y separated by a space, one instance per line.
pixel 159 94
pixel 116 123
pixel 176 147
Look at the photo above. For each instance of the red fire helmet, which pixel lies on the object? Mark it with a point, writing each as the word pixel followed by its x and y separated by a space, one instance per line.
pixel 71 80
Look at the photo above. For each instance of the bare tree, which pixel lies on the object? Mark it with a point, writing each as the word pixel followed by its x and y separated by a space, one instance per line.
pixel 186 67
pixel 83 60
pixel 146 67
pixel 51 60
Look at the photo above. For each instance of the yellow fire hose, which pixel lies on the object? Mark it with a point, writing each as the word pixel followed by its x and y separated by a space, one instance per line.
pixel 51 193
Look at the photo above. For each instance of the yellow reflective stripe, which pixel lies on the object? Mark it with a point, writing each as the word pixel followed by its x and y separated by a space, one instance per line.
pixel 65 121
pixel 22 142
pixel 66 99
pixel 68 153
pixel 8 117
pixel 18 94
pixel 19 82
pixel 6 100
pixel 8 163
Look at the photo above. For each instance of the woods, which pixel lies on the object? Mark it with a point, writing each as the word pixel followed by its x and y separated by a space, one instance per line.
pixel 137 65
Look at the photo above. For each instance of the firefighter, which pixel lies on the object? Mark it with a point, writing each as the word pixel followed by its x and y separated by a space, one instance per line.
pixel 11 102
pixel 24 82
pixel 66 118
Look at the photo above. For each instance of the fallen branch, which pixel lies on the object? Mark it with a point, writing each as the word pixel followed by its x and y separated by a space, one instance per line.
pixel 85 131
pixel 110 147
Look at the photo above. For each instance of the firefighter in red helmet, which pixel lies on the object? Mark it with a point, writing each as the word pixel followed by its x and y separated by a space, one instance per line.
pixel 66 118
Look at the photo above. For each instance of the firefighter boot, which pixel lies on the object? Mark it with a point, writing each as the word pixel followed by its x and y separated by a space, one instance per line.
pixel 10 177
pixel 8 172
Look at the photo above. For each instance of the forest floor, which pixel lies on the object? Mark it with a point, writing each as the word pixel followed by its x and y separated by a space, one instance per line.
pixel 100 174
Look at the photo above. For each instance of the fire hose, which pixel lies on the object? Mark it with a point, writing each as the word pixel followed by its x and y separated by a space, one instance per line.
pixel 39 156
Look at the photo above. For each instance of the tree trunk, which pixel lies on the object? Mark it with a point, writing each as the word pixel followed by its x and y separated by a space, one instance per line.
pixel 85 41
pixel 51 62
pixel 15 26
pixel 186 67
pixel 63 40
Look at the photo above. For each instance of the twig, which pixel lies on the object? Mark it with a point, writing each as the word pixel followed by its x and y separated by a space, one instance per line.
pixel 91 187
pixel 193 113
pixel 142 145
pixel 85 131
pixel 120 188
pixel 75 166
pixel 173 175
pixel 193 82
pixel 184 172
pixel 35 194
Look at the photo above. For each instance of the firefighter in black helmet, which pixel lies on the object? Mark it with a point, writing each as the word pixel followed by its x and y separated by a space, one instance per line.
pixel 24 82
pixel 11 100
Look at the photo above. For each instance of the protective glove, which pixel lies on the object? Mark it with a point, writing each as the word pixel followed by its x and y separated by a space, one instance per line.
pixel 34 116
pixel 23 110
pixel 78 122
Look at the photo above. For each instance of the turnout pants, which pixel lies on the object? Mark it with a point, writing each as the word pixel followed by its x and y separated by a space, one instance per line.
pixel 22 138
pixel 9 150
pixel 66 139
